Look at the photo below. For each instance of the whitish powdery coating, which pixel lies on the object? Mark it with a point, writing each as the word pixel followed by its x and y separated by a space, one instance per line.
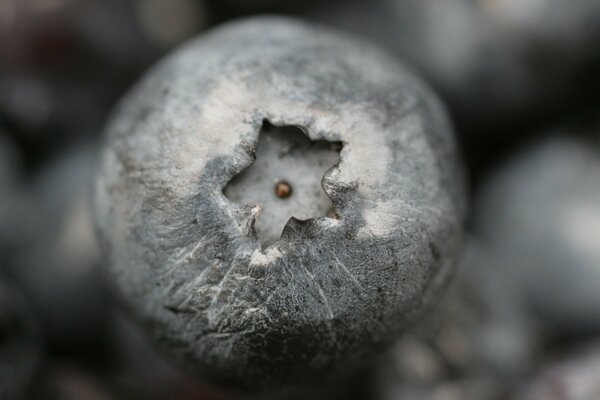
pixel 329 292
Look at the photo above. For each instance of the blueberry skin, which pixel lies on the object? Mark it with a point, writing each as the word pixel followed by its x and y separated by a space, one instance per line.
pixel 330 292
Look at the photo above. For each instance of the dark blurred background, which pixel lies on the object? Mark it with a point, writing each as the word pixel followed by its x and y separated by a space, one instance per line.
pixel 521 82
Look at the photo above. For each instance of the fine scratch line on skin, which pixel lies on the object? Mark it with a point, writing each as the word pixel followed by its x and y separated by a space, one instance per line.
pixel 220 285
pixel 326 302
pixel 312 277
pixel 424 209
pixel 197 283
pixel 321 293
pixel 350 274
pixel 194 287
pixel 186 254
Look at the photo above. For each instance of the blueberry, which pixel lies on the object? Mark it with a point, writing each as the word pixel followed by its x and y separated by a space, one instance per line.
pixel 499 64
pixel 541 212
pixel 58 264
pixel 20 345
pixel 330 291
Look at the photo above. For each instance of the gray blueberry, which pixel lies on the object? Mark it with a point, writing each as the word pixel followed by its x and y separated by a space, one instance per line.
pixel 333 286
pixel 495 62
pixel 575 377
pixel 16 220
pixel 20 346
pixel 541 211
pixel 57 265
pixel 8 183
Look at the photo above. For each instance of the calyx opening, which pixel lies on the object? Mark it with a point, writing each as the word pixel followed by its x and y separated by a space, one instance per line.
pixel 285 179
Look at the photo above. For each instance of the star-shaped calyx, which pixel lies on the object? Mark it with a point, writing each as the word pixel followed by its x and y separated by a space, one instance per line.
pixel 285 180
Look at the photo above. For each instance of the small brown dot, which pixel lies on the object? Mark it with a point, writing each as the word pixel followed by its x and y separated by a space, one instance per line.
pixel 283 189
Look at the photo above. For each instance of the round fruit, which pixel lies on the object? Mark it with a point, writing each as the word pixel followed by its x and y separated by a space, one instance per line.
pixel 330 291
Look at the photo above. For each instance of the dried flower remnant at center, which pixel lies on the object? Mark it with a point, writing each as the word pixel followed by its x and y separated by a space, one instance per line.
pixel 285 180
pixel 283 189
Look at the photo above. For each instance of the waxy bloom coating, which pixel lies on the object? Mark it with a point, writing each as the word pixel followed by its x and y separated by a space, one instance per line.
pixel 331 290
